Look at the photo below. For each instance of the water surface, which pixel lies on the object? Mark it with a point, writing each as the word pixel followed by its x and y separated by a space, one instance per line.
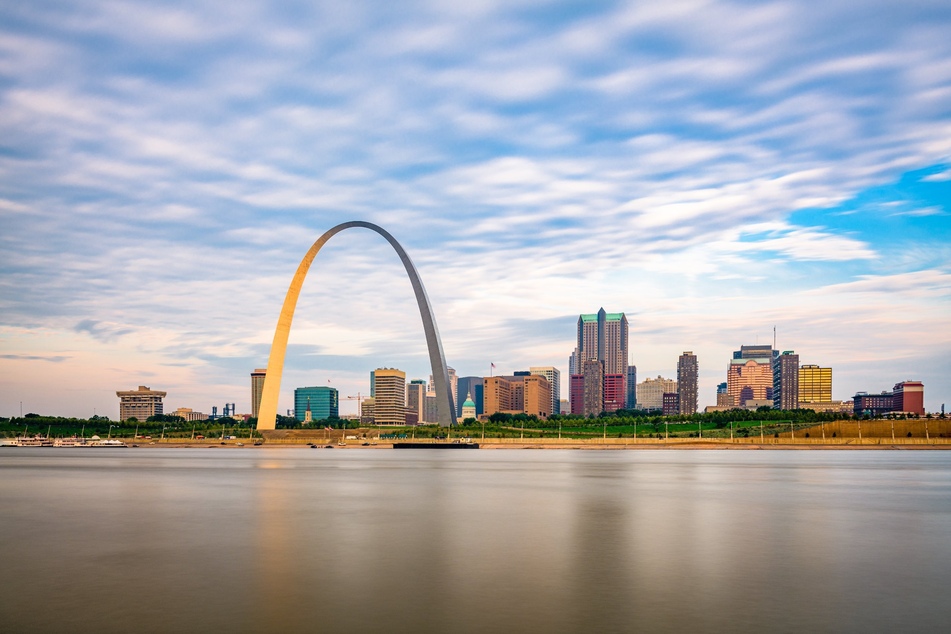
pixel 294 540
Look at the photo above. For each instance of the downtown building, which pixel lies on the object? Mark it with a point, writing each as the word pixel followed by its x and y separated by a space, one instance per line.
pixel 553 375
pixel 602 337
pixel 257 390
pixel 416 402
pixel 687 379
pixel 749 377
pixel 786 381
pixel 316 403
pixel 521 393
pixel 650 392
pixel 389 400
pixel 907 397
pixel 140 404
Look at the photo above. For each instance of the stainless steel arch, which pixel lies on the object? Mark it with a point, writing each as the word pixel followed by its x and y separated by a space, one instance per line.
pixel 267 414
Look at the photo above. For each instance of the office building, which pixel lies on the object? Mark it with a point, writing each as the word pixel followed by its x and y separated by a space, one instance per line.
pixel 140 404
pixel 650 392
pixel 257 389
pixel 319 402
pixel 786 381
pixel 416 400
pixel 603 337
pixel 631 387
pixel 750 375
pixel 815 385
pixel 522 393
pixel 389 396
pixel 592 387
pixel 909 397
pixel 553 376
pixel 687 377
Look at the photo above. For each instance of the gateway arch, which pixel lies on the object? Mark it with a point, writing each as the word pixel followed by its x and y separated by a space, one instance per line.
pixel 267 414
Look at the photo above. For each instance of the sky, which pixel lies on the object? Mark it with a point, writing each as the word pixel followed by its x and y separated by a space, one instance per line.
pixel 711 169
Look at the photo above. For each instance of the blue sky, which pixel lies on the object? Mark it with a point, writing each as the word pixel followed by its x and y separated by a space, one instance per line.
pixel 713 169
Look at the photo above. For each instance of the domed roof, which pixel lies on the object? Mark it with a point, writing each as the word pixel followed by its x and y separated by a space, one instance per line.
pixel 469 402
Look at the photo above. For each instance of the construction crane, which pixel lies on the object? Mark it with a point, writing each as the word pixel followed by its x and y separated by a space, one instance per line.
pixel 359 398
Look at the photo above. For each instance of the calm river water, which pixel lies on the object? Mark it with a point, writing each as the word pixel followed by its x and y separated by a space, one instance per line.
pixel 301 540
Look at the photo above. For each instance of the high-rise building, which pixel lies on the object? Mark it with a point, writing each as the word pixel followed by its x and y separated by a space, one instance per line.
pixel 815 385
pixel 372 383
pixel 687 372
pixel 909 397
pixel 323 402
pixel 576 394
pixel 257 389
pixel 786 381
pixel 750 375
pixel 140 404
pixel 390 397
pixel 603 337
pixel 593 382
pixel 553 376
pixel 650 392
pixel 631 387
pixel 469 386
pixel 416 400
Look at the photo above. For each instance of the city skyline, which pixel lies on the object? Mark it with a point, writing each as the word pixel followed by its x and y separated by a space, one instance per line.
pixel 713 170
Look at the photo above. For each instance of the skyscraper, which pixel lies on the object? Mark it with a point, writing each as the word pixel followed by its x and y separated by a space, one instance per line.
pixel 554 382
pixel 631 387
pixel 687 371
pixel 786 381
pixel 604 337
pixel 750 375
pixel 593 381
pixel 389 406
pixel 257 389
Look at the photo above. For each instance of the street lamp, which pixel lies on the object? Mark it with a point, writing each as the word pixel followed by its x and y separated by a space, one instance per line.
pixel 110 431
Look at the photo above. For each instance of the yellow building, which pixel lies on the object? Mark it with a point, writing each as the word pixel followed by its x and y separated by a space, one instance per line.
pixel 815 385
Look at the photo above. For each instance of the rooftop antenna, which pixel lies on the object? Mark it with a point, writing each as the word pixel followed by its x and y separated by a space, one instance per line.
pixel 774 337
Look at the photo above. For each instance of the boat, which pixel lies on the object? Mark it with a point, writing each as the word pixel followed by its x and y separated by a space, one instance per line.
pixel 35 441
pixel 9 442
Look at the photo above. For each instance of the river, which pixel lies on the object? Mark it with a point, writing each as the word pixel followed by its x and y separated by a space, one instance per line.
pixel 376 540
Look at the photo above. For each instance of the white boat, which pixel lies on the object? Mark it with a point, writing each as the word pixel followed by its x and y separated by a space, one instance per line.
pixel 9 442
pixel 35 441
pixel 70 442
